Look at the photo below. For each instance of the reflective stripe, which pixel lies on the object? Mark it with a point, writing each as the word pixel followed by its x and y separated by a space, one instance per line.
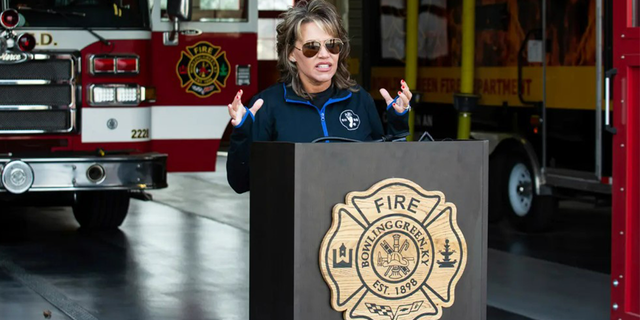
pixel 112 124
pixel 188 122
pixel 115 124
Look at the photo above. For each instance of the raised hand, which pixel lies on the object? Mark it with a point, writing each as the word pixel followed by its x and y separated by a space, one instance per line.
pixel 404 97
pixel 237 109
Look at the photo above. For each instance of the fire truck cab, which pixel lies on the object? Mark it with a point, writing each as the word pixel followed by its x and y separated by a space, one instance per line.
pixel 100 98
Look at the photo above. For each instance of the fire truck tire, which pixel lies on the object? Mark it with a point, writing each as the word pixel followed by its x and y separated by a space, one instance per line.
pixel 515 195
pixel 100 210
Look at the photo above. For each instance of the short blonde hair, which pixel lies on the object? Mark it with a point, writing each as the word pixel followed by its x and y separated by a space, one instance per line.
pixel 289 31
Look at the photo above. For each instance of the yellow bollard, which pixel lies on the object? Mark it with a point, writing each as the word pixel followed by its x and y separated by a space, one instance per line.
pixel 411 56
pixel 465 101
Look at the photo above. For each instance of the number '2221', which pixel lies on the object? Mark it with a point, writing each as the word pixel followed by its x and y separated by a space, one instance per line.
pixel 140 134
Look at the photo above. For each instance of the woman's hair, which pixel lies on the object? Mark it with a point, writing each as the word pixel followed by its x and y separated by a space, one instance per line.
pixel 326 17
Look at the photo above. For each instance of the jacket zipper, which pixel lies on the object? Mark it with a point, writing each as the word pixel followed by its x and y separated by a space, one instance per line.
pixel 321 112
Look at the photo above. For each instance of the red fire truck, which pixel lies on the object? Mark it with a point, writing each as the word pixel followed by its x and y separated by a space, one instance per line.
pixel 537 70
pixel 100 98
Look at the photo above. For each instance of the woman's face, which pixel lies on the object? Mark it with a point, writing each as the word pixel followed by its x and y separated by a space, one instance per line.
pixel 315 72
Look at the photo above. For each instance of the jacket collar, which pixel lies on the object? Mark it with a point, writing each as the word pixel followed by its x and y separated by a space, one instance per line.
pixel 291 96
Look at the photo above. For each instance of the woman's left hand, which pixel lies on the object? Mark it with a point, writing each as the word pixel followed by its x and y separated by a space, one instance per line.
pixel 404 97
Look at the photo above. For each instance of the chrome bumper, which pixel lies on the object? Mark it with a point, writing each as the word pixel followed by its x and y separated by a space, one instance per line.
pixel 111 172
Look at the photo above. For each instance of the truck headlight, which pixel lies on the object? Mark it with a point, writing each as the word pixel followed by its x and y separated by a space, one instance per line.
pixel 127 95
pixel 116 94
pixel 102 95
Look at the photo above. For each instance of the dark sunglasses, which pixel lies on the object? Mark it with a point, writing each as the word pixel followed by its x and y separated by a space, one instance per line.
pixel 310 49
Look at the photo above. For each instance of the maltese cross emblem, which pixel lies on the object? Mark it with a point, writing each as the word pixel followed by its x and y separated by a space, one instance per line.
pixel 393 252
pixel 203 69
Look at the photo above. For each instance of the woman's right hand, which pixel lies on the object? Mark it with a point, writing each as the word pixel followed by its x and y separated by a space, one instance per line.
pixel 237 109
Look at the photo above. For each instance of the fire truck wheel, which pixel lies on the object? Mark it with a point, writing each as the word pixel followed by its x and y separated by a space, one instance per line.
pixel 516 196
pixel 101 210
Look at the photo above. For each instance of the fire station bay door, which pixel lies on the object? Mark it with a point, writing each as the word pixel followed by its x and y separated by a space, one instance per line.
pixel 625 260
pixel 197 74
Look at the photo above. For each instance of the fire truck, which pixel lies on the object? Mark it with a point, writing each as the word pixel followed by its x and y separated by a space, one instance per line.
pixel 539 83
pixel 558 85
pixel 99 99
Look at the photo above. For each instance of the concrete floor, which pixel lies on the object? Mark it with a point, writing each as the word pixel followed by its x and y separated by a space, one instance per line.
pixel 185 256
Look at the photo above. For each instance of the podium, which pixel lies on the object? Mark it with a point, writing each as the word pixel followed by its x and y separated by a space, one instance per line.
pixel 294 189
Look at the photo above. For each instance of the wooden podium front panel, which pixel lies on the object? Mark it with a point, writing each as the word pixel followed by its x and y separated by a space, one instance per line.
pixel 271 238
pixel 319 177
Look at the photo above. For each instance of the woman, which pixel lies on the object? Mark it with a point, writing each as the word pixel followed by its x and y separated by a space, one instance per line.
pixel 316 97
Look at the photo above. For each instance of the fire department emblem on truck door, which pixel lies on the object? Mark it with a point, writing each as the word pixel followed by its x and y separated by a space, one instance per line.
pixel 203 69
pixel 393 252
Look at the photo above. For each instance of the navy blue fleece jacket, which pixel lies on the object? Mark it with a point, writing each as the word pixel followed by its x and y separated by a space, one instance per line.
pixel 285 116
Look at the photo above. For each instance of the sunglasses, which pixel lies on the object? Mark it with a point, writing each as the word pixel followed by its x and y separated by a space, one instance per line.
pixel 310 49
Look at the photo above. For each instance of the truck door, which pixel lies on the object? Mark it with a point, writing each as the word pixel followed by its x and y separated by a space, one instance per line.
pixel 575 145
pixel 625 260
pixel 197 74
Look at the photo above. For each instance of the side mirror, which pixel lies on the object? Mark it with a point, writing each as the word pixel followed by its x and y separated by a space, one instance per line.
pixel 180 9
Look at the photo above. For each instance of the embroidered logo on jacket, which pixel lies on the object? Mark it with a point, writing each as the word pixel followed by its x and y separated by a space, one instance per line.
pixel 350 120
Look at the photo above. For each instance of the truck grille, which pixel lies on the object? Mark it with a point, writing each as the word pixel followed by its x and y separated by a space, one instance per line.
pixel 38 96
pixel 48 120
pixel 26 95
pixel 53 70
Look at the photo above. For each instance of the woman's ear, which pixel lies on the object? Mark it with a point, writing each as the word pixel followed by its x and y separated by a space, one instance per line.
pixel 292 59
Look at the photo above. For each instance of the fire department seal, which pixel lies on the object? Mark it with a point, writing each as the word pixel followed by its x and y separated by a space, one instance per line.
pixel 203 69
pixel 393 252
